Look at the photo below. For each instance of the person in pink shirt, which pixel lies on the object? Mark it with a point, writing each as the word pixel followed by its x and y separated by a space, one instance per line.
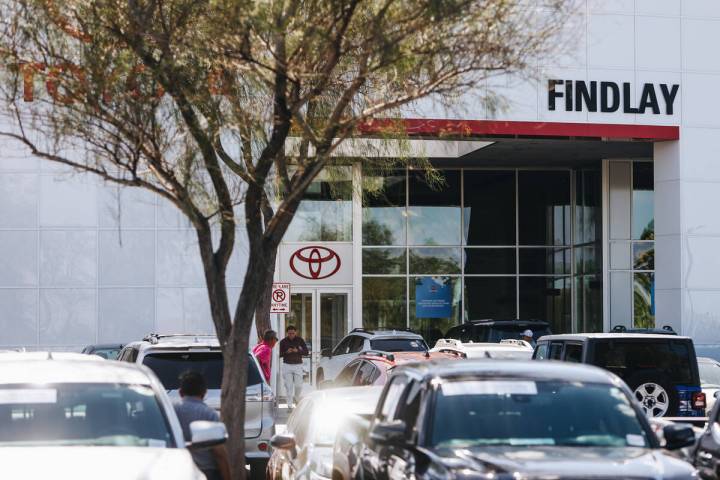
pixel 263 352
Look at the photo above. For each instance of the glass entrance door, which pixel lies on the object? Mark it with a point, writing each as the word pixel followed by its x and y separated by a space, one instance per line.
pixel 322 319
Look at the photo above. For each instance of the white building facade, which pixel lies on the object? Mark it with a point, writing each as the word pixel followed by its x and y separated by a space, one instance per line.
pixel 587 202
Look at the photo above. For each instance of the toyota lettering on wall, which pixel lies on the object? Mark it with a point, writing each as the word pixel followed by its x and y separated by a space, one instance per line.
pixel 317 264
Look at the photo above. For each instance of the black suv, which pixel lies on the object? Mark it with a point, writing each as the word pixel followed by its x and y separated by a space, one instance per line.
pixel 484 331
pixel 505 420
pixel 661 370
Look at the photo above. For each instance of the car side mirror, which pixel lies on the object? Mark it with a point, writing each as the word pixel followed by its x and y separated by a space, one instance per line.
pixel 389 433
pixel 678 435
pixel 206 434
pixel 284 441
pixel 326 352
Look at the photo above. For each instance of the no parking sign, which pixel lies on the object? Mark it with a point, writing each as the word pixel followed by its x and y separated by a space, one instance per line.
pixel 280 298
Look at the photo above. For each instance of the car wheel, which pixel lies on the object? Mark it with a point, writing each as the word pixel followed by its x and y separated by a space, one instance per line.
pixel 656 395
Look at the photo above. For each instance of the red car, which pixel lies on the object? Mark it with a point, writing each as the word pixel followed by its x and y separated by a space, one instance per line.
pixel 373 368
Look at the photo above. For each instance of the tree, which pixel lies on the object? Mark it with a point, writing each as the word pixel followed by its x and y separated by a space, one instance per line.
pixel 200 101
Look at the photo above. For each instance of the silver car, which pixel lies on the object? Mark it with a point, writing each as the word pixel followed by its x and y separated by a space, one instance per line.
pixel 71 416
pixel 171 355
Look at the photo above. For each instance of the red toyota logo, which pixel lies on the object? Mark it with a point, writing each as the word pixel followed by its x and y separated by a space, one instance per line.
pixel 315 263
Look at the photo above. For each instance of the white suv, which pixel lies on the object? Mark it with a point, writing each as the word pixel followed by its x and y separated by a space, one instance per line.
pixel 65 417
pixel 509 349
pixel 360 340
pixel 171 355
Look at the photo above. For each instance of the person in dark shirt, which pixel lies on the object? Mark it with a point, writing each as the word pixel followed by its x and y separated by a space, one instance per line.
pixel 292 350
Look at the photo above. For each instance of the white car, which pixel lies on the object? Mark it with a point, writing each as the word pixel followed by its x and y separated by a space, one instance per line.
pixel 361 340
pixel 168 356
pixel 709 380
pixel 509 349
pixel 305 450
pixel 66 418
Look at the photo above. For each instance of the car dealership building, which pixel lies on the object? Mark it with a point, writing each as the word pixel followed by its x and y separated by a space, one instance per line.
pixel 586 201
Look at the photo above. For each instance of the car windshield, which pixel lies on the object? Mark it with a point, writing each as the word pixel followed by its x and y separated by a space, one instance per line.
pixel 497 333
pixel 82 414
pixel 108 353
pixel 399 345
pixel 709 373
pixel 472 412
pixel 169 366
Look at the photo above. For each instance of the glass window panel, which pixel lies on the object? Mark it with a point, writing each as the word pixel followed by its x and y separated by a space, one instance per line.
pixel 439 308
pixel 433 261
pixel 644 256
pixel 644 300
pixel 544 207
pixel 325 213
pixel 434 210
pixel 588 208
pixel 333 318
pixel 620 299
pixel 620 256
pixel 546 298
pixel 490 261
pixel 489 208
pixel 545 261
pixel 384 302
pixel 588 259
pixel 643 210
pixel 383 261
pixel 384 211
pixel 619 198
pixel 300 316
pixel 490 297
pixel 588 291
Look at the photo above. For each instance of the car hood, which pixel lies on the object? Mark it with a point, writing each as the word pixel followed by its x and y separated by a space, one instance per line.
pixel 566 462
pixel 90 463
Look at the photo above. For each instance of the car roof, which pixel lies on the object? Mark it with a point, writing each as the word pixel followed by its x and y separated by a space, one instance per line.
pixel 519 323
pixel 46 355
pixel 632 336
pixel 58 370
pixel 105 345
pixel 373 334
pixel 401 358
pixel 707 360
pixel 177 341
pixel 505 345
pixel 523 369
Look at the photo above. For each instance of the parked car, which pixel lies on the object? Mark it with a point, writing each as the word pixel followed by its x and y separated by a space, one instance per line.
pixel 373 368
pixel 108 351
pixel 706 455
pixel 305 449
pixel 513 419
pixel 492 331
pixel 360 340
pixel 65 417
pixel 509 349
pixel 709 380
pixel 661 370
pixel 171 355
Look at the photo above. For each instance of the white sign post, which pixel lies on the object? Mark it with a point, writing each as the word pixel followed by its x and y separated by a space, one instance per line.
pixel 280 298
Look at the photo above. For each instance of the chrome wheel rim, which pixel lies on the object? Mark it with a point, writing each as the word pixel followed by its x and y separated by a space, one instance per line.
pixel 653 398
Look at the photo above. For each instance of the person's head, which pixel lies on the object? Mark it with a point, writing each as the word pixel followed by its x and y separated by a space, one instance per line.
pixel 291 331
pixel 192 384
pixel 527 335
pixel 270 338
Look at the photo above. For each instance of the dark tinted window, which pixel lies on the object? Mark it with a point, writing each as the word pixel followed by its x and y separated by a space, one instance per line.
pixel 544 213
pixel 356 343
pixel 464 333
pixel 489 200
pixel 503 332
pixel 345 376
pixel 573 352
pixel 555 352
pixel 366 374
pixel 82 414
pixel 398 345
pixel 671 358
pixel 490 297
pixel 475 412
pixel 391 398
pixel 169 366
pixel 342 347
pixel 490 261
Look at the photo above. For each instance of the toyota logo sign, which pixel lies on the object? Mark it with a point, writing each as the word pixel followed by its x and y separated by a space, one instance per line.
pixel 315 263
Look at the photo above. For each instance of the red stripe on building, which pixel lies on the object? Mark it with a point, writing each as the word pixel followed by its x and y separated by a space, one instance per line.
pixel 491 128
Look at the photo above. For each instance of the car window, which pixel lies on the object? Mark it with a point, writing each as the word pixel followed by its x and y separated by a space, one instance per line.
pixel 399 345
pixel 497 332
pixel 365 374
pixel 410 408
pixel 709 373
pixel 97 414
pixel 464 333
pixel 345 376
pixel 170 365
pixel 672 358
pixel 342 347
pixel 541 352
pixel 573 352
pixel 555 351
pixel 391 397
pixel 356 344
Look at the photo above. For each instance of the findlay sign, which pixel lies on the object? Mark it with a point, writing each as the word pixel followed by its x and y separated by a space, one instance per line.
pixel 609 97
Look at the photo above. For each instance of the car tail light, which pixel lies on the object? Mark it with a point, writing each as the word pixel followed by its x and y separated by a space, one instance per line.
pixel 698 400
pixel 263 446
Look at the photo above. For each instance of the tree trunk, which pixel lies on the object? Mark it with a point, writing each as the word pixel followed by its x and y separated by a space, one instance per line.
pixel 235 356
pixel 262 313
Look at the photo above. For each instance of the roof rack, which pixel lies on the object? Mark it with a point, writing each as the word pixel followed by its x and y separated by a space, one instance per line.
pixel 515 341
pixel 154 338
pixel 361 329
pixel 376 353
